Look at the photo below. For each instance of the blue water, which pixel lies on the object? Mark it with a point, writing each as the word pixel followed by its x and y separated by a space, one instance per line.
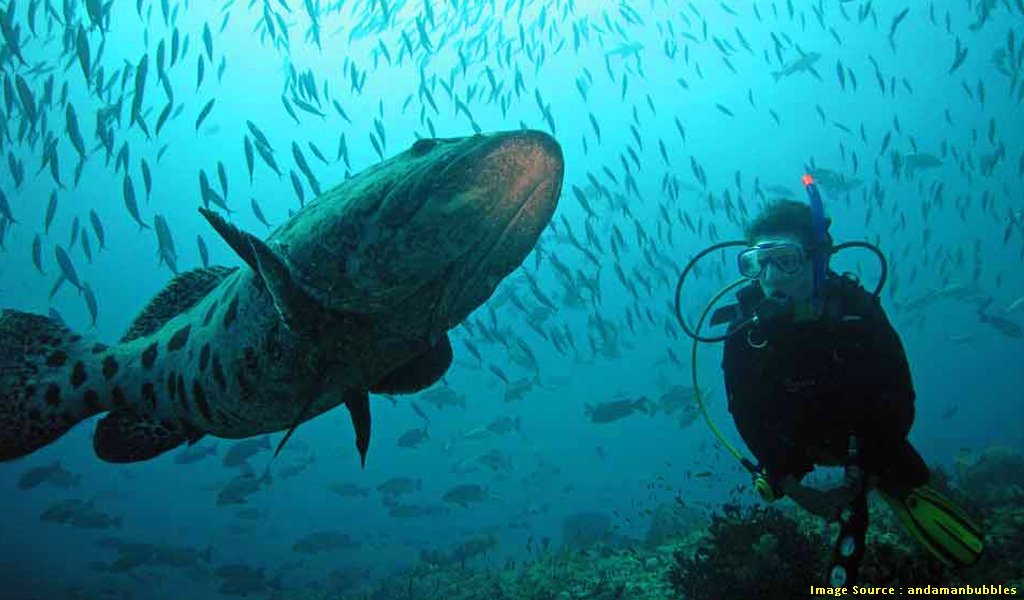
pixel 162 502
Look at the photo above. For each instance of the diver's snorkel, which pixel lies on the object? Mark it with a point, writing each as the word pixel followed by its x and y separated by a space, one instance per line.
pixel 766 311
pixel 820 252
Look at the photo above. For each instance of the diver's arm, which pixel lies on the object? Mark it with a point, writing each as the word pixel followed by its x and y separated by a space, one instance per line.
pixel 826 504
pixel 776 459
pixel 808 498
pixel 763 422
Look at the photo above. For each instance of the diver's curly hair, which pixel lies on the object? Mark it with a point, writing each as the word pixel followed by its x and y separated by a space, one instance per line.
pixel 786 217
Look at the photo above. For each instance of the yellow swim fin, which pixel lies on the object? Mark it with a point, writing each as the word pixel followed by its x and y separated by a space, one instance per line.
pixel 941 526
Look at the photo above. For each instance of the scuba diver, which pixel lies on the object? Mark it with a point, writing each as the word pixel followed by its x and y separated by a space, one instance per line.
pixel 816 375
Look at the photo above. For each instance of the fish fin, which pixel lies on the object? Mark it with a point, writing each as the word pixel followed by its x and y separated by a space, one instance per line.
pixel 235 237
pixel 124 437
pixel 358 404
pixel 419 373
pixel 38 404
pixel 299 419
pixel 298 309
pixel 182 293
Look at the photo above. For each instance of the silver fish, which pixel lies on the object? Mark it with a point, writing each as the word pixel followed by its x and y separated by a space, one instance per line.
pixel 66 268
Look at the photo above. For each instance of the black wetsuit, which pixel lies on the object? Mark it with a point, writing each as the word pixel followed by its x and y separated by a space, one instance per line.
pixel 798 391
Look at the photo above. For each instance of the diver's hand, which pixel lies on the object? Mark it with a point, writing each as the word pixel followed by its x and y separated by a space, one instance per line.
pixel 826 504
pixel 836 500
pixel 815 502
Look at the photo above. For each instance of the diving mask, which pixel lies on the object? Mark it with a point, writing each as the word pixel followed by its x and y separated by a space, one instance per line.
pixel 787 257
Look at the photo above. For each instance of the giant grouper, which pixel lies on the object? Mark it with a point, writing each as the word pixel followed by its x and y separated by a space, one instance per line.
pixel 354 294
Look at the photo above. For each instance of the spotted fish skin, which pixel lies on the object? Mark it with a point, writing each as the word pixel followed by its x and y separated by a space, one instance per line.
pixel 354 294
pixel 240 370
pixel 225 367
pixel 38 399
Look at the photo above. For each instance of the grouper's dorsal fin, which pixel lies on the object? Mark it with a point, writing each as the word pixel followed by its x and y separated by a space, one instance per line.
pixel 235 237
pixel 181 294
pixel 298 308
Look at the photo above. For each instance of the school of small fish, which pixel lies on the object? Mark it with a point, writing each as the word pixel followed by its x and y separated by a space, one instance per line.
pixel 118 119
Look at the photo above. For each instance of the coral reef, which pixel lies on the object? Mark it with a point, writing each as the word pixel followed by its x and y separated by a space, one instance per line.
pixel 673 520
pixel 558 575
pixel 995 477
pixel 753 552
pixel 584 529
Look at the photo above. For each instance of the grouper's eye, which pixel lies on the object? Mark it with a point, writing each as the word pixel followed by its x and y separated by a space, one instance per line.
pixel 423 146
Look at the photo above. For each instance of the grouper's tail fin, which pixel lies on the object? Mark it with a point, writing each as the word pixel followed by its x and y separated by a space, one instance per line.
pixel 44 387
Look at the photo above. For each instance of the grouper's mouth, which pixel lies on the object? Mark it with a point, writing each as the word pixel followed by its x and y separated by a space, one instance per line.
pixel 479 272
pixel 478 269
pixel 428 235
pixel 536 182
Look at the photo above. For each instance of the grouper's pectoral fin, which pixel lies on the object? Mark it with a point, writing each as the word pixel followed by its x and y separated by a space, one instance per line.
pixel 358 404
pixel 419 373
pixel 299 418
pixel 123 437
pixel 298 309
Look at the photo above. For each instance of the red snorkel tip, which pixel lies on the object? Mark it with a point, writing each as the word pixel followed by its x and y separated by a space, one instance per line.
pixel 807 179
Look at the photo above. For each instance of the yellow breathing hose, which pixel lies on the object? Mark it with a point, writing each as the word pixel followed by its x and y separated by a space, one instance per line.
pixel 697 396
